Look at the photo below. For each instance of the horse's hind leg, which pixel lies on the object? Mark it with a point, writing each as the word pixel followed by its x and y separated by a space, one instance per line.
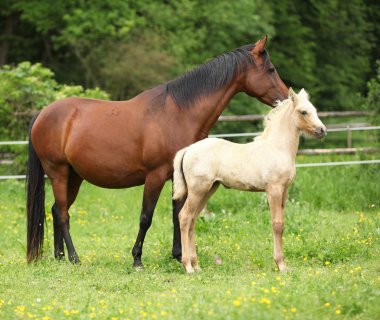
pixel 59 251
pixel 65 183
pixel 176 249
pixel 202 203
pixel 185 218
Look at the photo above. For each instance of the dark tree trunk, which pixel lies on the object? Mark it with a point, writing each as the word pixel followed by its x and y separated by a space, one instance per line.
pixel 5 40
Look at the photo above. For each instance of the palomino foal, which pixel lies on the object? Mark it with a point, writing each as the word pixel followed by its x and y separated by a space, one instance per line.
pixel 265 165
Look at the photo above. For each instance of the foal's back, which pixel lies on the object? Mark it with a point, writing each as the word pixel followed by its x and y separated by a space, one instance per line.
pixel 250 166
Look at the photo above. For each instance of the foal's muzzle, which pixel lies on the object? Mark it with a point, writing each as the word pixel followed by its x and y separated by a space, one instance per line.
pixel 320 132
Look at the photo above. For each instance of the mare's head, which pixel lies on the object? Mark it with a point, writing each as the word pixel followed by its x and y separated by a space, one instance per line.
pixel 305 115
pixel 261 78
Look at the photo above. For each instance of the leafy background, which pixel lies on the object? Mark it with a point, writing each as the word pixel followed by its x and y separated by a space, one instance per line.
pixel 124 47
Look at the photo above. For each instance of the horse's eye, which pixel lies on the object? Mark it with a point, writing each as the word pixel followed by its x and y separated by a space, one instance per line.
pixel 303 112
pixel 271 69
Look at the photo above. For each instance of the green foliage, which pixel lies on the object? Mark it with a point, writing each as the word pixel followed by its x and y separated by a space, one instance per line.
pixel 125 47
pixel 292 47
pixel 373 97
pixel 27 88
pixel 331 244
pixel 342 50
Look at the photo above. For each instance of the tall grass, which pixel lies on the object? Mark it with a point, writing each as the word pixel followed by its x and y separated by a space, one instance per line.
pixel 331 245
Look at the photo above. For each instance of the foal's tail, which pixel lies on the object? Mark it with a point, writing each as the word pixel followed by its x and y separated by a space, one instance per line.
pixel 35 205
pixel 179 182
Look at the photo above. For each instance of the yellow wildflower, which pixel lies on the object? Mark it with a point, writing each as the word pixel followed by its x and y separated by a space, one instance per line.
pixel 237 303
pixel 265 300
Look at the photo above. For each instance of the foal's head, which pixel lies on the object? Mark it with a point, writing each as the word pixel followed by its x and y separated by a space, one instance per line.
pixel 305 115
pixel 261 78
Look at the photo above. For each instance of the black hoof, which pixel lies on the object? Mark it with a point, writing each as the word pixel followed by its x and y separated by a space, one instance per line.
pixel 59 255
pixel 137 264
pixel 178 257
pixel 74 259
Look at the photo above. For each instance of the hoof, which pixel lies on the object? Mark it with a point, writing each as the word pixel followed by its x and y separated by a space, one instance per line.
pixel 74 259
pixel 137 264
pixel 197 268
pixel 59 256
pixel 178 257
pixel 190 270
pixel 284 269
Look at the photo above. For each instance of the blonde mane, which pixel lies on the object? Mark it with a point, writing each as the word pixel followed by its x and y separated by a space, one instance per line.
pixel 273 114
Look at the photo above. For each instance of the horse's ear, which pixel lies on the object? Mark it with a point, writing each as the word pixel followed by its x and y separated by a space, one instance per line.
pixel 303 93
pixel 292 96
pixel 260 46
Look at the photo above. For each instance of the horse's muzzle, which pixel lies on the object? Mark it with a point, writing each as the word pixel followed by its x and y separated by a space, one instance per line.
pixel 320 132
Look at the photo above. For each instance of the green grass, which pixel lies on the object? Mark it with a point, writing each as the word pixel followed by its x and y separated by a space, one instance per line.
pixel 331 244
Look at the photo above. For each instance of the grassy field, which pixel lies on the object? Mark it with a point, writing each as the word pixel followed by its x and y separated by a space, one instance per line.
pixel 331 245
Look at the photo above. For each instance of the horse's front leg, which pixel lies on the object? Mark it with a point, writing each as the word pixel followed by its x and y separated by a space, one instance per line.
pixel 276 198
pixel 177 250
pixel 154 183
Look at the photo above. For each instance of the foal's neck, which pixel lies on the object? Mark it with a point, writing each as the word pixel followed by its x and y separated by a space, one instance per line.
pixel 283 133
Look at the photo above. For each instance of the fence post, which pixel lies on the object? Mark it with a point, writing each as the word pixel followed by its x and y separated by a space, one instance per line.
pixel 349 136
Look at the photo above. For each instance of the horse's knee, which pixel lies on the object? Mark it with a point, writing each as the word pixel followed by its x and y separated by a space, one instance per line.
pixel 59 219
pixel 145 221
pixel 278 227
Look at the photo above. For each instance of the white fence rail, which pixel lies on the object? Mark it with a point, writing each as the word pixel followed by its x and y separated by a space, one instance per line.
pixel 329 129
pixel 300 165
pixel 348 128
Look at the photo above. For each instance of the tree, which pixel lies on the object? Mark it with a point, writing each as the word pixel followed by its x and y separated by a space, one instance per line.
pixel 293 46
pixel 342 50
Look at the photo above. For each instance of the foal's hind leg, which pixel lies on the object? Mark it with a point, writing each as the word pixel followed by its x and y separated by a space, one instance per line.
pixel 276 197
pixel 185 216
pixel 202 203
pixel 65 183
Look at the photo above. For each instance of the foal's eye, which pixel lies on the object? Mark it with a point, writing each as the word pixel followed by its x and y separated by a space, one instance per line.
pixel 271 69
pixel 303 112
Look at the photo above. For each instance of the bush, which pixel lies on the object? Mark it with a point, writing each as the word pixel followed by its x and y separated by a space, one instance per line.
pixel 27 88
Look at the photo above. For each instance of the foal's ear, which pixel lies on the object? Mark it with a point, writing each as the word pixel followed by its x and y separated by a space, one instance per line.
pixel 260 46
pixel 304 94
pixel 292 95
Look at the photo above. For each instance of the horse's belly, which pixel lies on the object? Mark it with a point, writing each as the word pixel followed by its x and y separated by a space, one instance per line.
pixel 105 178
pixel 242 183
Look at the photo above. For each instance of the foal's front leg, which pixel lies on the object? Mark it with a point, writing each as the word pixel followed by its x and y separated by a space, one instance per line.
pixel 276 198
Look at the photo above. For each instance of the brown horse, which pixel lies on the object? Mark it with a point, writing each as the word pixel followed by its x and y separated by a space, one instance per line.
pixel 121 144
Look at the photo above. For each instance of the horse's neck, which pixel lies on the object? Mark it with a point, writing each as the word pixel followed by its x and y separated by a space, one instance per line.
pixel 208 110
pixel 283 132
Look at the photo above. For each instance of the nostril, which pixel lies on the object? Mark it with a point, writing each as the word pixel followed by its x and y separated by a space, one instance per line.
pixel 322 131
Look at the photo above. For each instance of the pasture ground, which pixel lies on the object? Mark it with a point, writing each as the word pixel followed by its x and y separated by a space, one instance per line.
pixel 331 245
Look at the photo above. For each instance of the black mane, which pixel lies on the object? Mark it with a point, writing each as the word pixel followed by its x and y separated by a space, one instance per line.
pixel 210 76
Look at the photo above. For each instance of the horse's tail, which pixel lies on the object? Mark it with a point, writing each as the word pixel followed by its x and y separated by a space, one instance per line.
pixel 179 182
pixel 35 205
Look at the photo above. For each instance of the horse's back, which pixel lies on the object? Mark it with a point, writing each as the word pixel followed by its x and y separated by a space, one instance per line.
pixel 250 166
